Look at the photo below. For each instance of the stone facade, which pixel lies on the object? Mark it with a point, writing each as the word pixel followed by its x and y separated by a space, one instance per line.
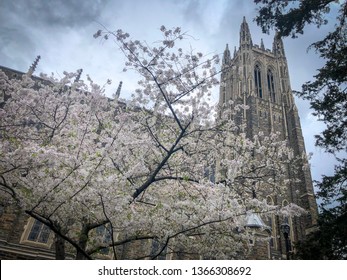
pixel 259 78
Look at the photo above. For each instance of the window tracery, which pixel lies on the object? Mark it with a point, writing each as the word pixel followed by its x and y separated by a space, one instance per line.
pixel 257 81
pixel 271 85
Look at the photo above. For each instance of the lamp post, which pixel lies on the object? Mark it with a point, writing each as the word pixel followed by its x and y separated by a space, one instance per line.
pixel 256 224
pixel 285 228
pixel 253 220
pixel 259 228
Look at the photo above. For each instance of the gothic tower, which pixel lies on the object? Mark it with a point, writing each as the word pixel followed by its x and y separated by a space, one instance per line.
pixel 259 78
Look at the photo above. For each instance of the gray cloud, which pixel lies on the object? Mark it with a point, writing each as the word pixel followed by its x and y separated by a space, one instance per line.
pixel 192 11
pixel 16 47
pixel 27 25
pixel 54 12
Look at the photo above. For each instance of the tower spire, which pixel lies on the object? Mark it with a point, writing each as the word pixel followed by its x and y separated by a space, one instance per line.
pixel 262 44
pixel 117 94
pixel 78 77
pixel 33 66
pixel 277 46
pixel 226 55
pixel 245 35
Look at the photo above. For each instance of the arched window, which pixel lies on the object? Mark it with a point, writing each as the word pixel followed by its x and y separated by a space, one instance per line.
pixel 271 85
pixel 257 81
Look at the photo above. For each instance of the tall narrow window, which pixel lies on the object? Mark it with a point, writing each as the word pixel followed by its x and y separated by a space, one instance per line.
pixel 271 85
pixel 231 88
pixel 272 224
pixel 257 81
pixel 223 96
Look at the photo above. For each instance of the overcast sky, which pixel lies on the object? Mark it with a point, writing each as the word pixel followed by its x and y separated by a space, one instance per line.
pixel 61 31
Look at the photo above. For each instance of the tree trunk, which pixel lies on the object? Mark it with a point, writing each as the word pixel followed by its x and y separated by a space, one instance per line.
pixel 59 248
pixel 82 243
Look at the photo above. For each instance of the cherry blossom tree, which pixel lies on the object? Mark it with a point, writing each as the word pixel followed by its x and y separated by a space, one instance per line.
pixel 159 169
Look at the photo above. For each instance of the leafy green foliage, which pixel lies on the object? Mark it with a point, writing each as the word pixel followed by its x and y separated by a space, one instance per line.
pixel 330 241
pixel 290 17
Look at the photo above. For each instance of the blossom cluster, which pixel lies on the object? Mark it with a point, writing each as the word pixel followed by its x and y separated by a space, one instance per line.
pixel 159 167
